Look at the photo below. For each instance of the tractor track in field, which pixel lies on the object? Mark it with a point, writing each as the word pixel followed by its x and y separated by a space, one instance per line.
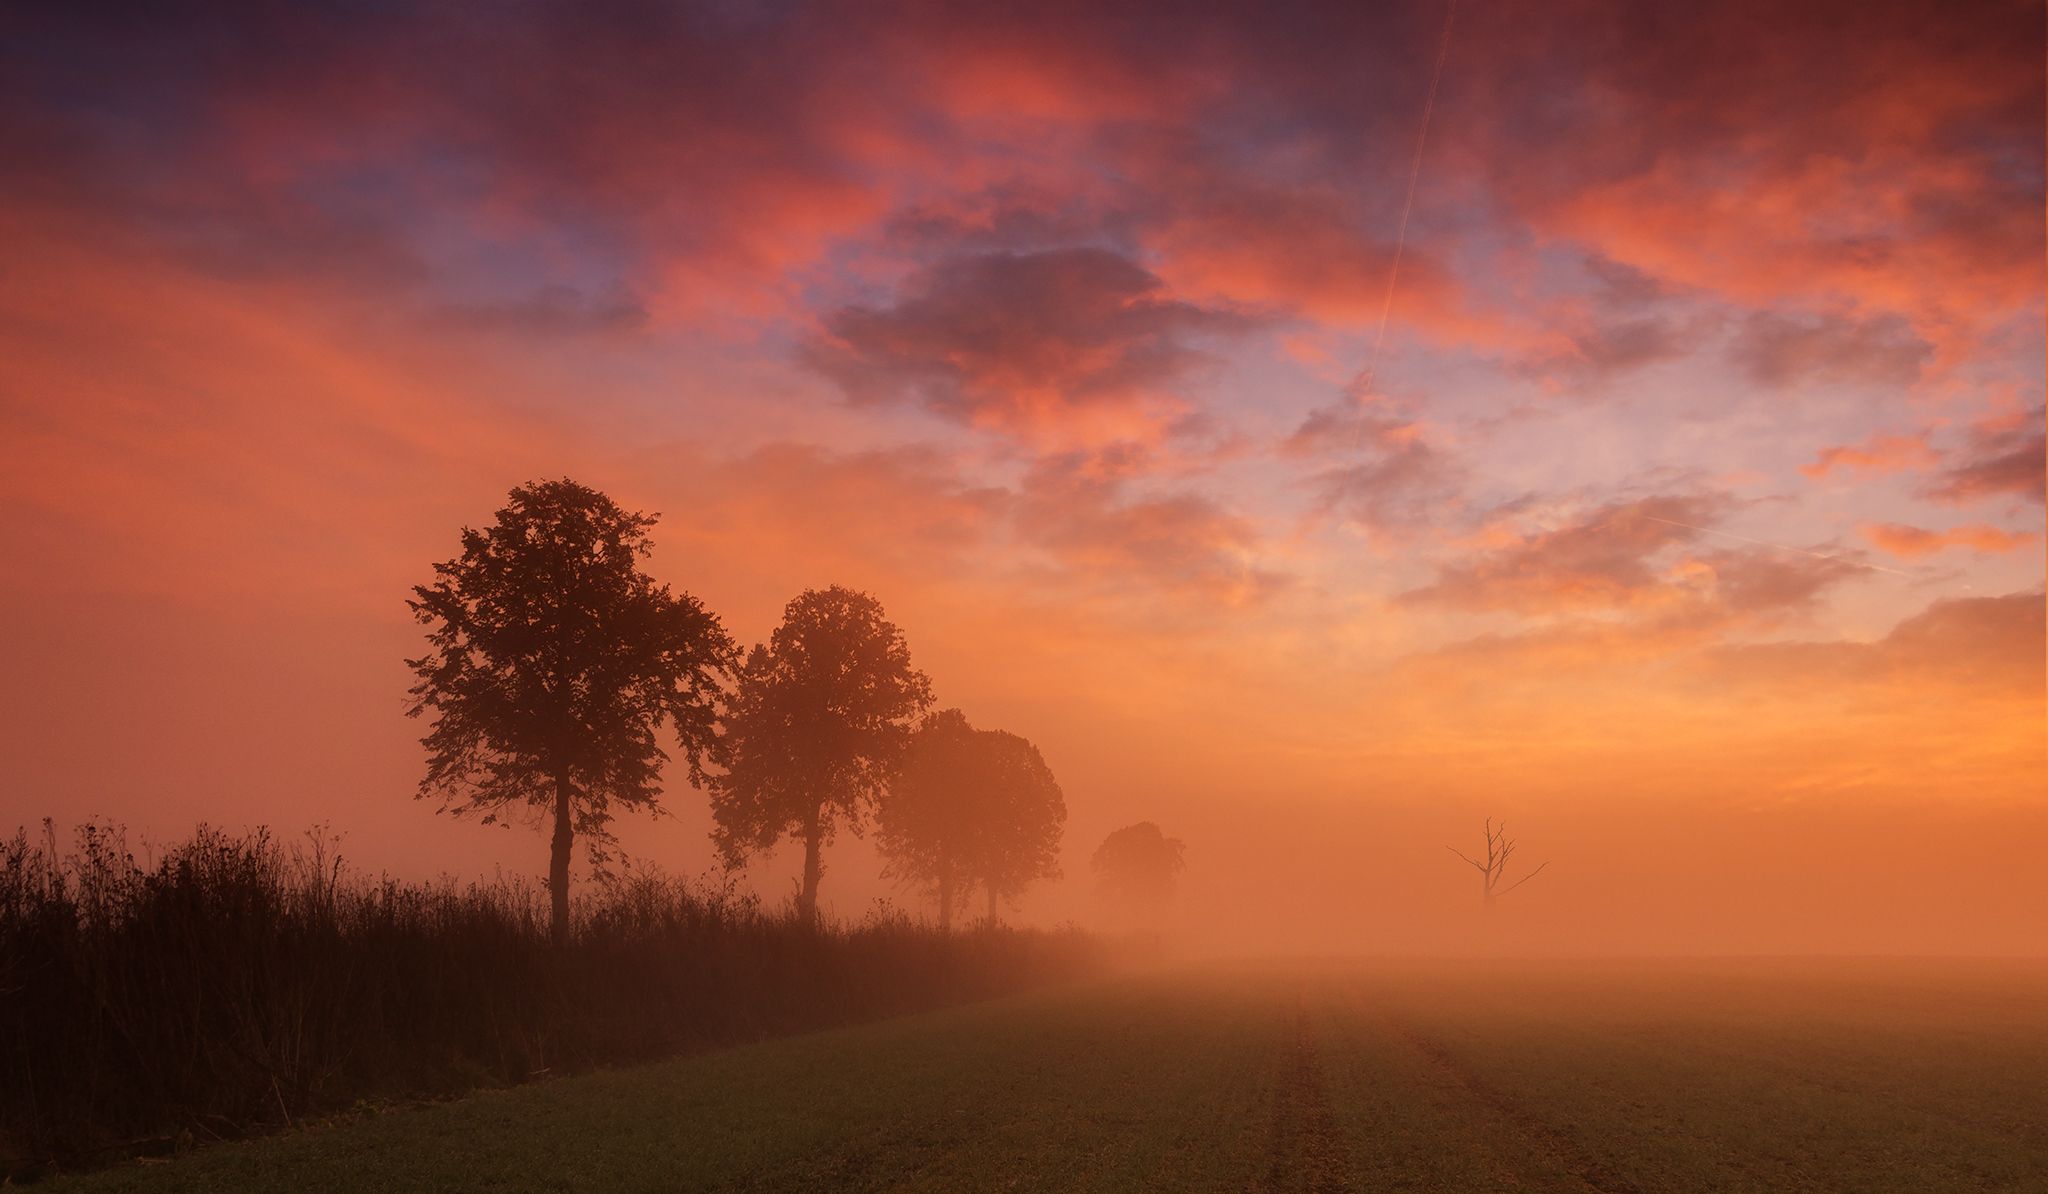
pixel 1532 1130
pixel 1304 1150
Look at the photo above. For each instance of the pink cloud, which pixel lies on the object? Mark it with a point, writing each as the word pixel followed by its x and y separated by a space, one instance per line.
pixel 2004 458
pixel 1640 555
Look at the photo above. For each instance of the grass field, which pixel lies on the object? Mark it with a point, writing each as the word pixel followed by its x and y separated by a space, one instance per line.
pixel 1720 1076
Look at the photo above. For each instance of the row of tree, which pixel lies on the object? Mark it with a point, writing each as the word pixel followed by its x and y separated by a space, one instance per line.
pixel 555 662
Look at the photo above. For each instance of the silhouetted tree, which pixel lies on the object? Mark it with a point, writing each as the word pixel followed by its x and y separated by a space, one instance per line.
pixel 972 807
pixel 554 661
pixel 818 729
pixel 1499 846
pixel 1026 814
pixel 1139 868
pixel 924 825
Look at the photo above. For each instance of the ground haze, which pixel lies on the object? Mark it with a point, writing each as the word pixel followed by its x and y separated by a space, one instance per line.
pixel 1319 1075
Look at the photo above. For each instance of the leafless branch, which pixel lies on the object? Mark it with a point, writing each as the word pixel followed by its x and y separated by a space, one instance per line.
pixel 1524 879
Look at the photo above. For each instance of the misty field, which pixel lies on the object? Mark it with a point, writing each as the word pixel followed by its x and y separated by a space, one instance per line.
pixel 1606 1076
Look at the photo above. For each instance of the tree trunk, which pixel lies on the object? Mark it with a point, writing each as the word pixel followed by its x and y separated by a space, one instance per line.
pixel 945 899
pixel 807 903
pixel 558 865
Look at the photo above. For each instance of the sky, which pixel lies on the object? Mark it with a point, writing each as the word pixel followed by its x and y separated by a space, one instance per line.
pixel 1318 427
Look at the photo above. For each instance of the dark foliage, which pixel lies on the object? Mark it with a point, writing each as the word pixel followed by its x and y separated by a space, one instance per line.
pixel 817 730
pixel 554 662
pixel 972 808
pixel 237 985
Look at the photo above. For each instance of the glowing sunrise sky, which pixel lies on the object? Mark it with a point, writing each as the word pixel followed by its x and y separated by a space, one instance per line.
pixel 1692 517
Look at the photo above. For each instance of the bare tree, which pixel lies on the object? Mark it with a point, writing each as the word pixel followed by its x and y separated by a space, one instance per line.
pixel 1499 848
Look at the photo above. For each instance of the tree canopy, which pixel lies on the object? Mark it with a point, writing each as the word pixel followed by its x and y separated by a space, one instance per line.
pixel 925 827
pixel 1139 868
pixel 972 808
pixel 818 728
pixel 553 661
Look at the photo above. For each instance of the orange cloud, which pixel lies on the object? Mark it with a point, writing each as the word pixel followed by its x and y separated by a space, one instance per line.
pixel 1308 252
pixel 1881 453
pixel 1754 152
pixel 1635 556
pixel 1110 538
pixel 1912 543
pixel 1989 646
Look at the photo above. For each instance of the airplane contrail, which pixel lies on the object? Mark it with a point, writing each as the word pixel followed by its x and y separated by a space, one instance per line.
pixel 1443 48
pixel 1363 384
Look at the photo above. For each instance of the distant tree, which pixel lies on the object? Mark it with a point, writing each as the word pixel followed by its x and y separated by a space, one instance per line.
pixel 1025 815
pixel 972 808
pixel 925 825
pixel 553 662
pixel 1139 869
pixel 818 729
pixel 1499 847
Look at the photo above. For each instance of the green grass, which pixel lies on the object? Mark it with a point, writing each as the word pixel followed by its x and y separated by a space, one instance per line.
pixel 1480 1076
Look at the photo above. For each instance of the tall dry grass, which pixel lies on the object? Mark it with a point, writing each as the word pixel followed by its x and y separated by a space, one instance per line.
pixel 235 984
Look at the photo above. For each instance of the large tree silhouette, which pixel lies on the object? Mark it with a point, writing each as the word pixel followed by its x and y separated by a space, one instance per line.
pixel 818 729
pixel 972 808
pixel 553 662
pixel 1139 869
